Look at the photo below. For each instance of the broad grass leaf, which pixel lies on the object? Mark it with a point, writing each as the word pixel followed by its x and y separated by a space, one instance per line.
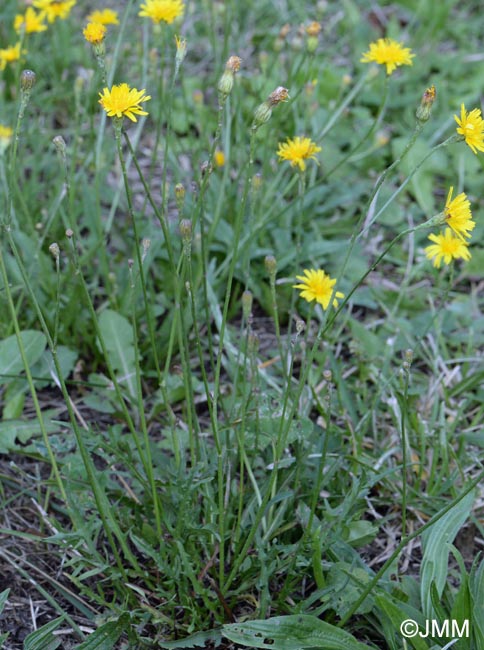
pixel 436 545
pixel 291 633
pixel 197 640
pixel 107 635
pixel 397 613
pixel 476 587
pixel 10 359
pixel 118 336
pixel 43 638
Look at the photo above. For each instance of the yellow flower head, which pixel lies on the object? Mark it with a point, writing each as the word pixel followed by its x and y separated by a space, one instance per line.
pixel 94 33
pixel 471 126
pixel 158 10
pixel 317 285
pixel 388 52
pixel 104 16
pixel 9 55
pixel 30 21
pixel 219 158
pixel 297 150
pixel 122 100
pixel 447 248
pixel 6 134
pixel 53 9
pixel 458 215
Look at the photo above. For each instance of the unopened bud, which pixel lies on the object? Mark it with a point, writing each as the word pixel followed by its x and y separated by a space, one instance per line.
pixel 409 355
pixel 69 233
pixel 185 227
pixel 264 111
pixel 54 251
pixel 312 44
pixel 146 243
pixel 27 79
pixel 270 263
pixel 327 375
pixel 205 168
pixel 181 50
pixel 426 103
pixel 179 196
pixel 226 82
pixel 313 28
pixel 60 145
pixel 300 326
pixel 247 300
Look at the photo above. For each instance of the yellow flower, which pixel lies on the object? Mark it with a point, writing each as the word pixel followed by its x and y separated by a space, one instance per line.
pixel 6 134
pixel 53 9
pixel 30 21
pixel 219 158
pixel 123 100
pixel 471 126
pixel 158 10
pixel 388 52
pixel 447 248
pixel 9 55
pixel 458 215
pixel 317 285
pixel 104 16
pixel 297 151
pixel 94 33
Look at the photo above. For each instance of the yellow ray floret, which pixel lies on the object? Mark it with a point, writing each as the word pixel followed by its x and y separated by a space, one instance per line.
pixel 318 285
pixel 122 100
pixel 386 51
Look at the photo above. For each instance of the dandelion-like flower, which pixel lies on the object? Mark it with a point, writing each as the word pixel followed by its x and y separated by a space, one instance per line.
pixel 53 9
pixel 94 33
pixel 318 285
pixel 297 151
pixel 458 215
pixel 9 55
pixel 30 21
pixel 122 100
pixel 447 247
pixel 219 158
pixel 471 127
pixel 386 51
pixel 104 16
pixel 158 10
pixel 6 134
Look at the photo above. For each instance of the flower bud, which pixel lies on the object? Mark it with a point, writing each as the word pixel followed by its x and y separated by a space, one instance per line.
pixel 60 145
pixel 247 300
pixel 264 111
pixel 425 108
pixel 179 196
pixel 27 79
pixel 270 263
pixel 54 251
pixel 226 82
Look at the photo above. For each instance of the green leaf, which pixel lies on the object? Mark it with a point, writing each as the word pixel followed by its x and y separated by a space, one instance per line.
pixel 11 430
pixel 436 544
pixel 3 599
pixel 476 587
pixel 118 337
pixel 197 640
pixel 10 359
pixel 43 639
pixel 291 633
pixel 107 635
pixel 397 614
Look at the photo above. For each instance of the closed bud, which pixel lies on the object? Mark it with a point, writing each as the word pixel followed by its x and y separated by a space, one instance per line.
pixel 264 111
pixel 27 79
pixel 179 196
pixel 425 108
pixel 60 145
pixel 226 82
pixel 186 229
pixel 270 263
pixel 247 300
pixel 312 44
pixel 54 251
